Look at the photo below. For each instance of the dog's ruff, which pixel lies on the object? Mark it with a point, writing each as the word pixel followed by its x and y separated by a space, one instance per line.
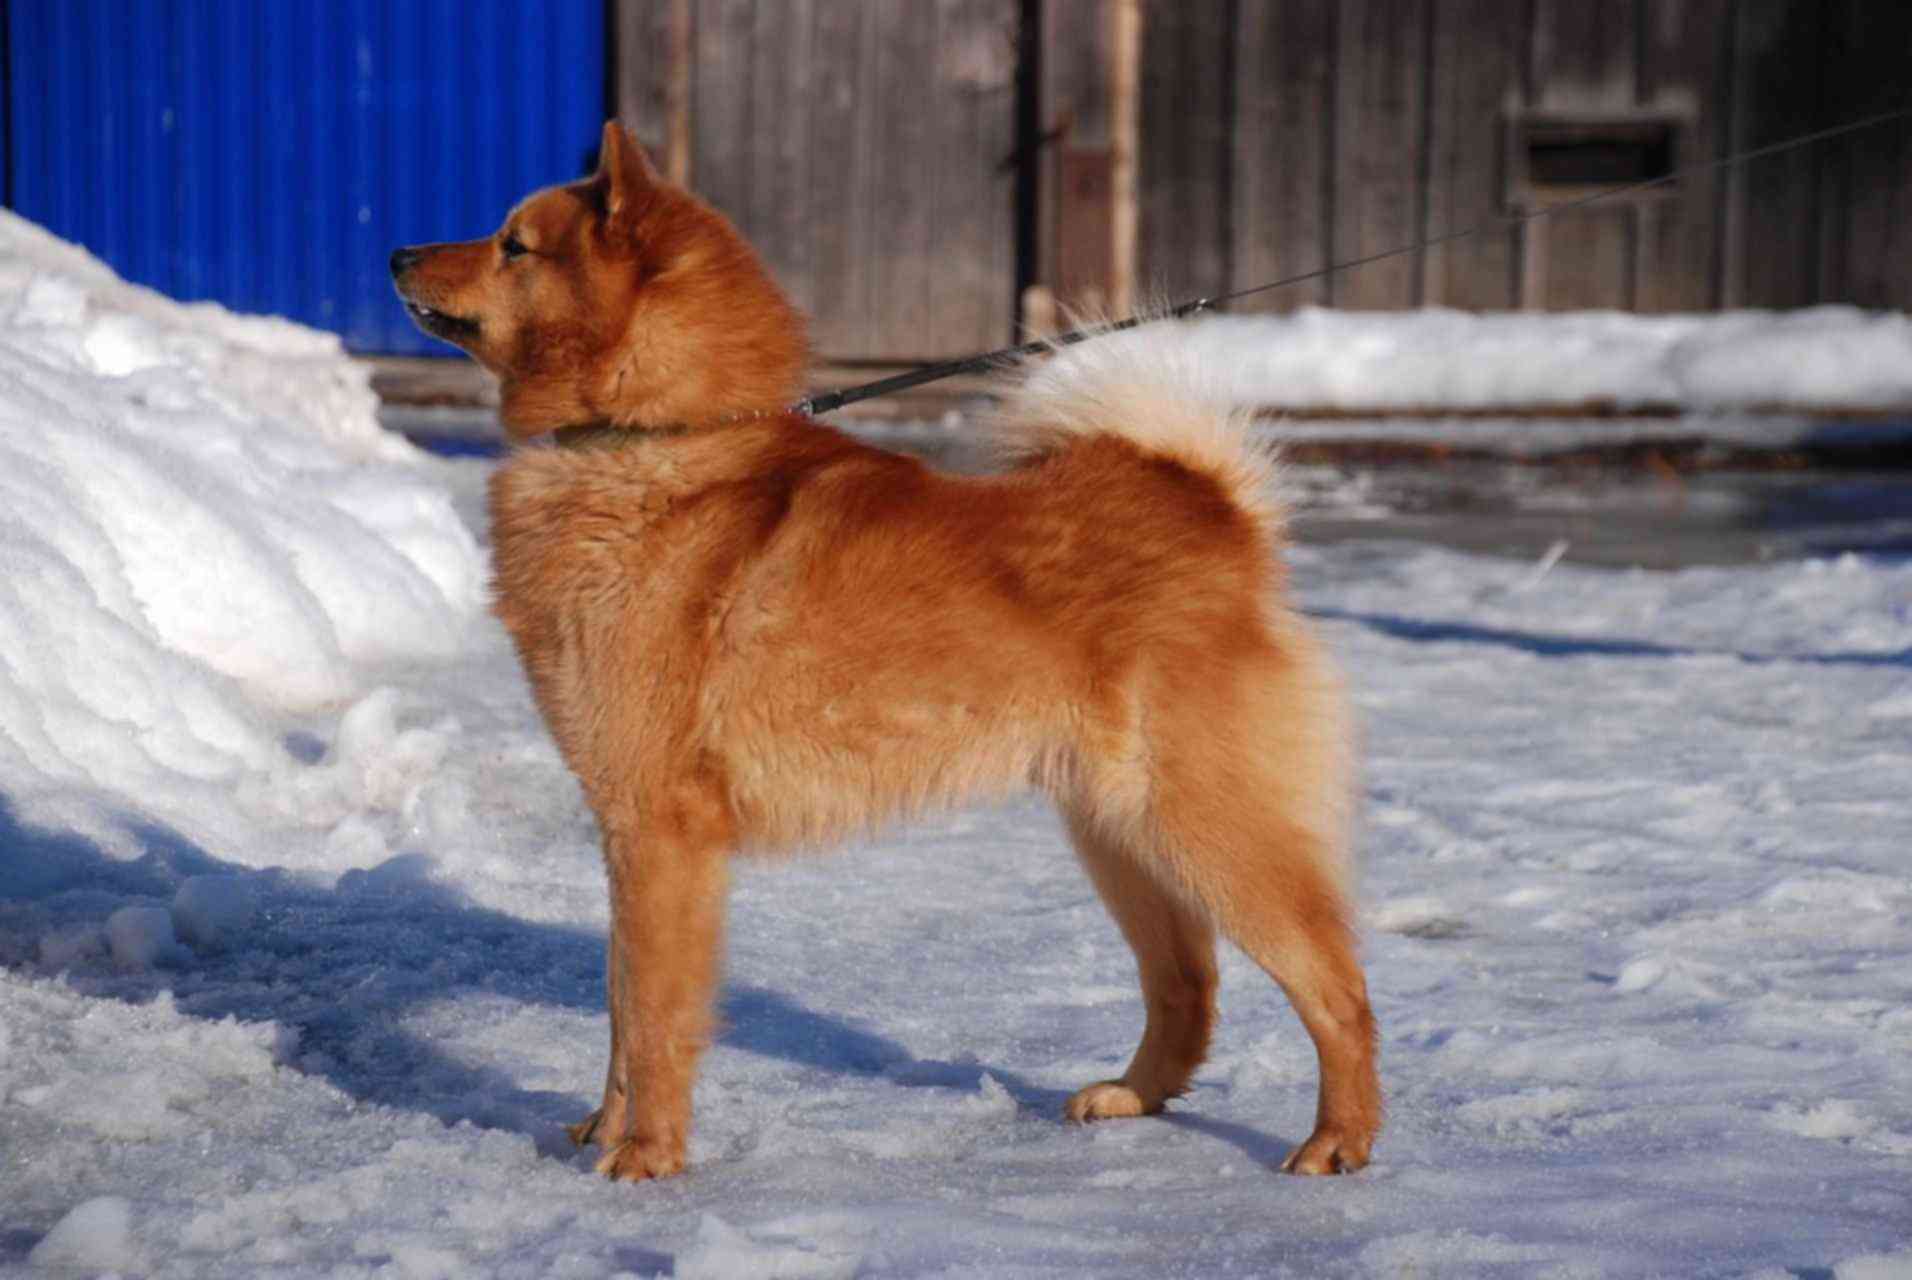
pixel 750 633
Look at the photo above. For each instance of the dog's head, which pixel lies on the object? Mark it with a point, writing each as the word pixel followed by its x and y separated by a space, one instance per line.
pixel 619 299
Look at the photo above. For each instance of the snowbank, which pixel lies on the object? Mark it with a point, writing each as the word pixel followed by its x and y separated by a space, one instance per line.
pixel 1437 360
pixel 203 531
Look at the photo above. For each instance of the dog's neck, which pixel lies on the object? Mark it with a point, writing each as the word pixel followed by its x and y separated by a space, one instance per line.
pixel 608 435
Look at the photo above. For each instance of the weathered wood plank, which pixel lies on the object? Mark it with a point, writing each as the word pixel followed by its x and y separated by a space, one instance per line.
pixel 1187 80
pixel 1073 118
pixel 1585 62
pixel 1478 58
pixel 641 32
pixel 1584 54
pixel 1866 177
pixel 1683 51
pixel 1590 259
pixel 902 191
pixel 1283 138
pixel 937 235
pixel 1379 114
pixel 1125 142
pixel 841 187
pixel 1778 86
pixel 777 147
pixel 857 146
pixel 722 41
pixel 973 202
pixel 1084 250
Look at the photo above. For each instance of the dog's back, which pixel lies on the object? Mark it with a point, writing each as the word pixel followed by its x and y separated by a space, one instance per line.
pixel 853 637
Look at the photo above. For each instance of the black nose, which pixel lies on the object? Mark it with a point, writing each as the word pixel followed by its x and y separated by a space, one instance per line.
pixel 404 258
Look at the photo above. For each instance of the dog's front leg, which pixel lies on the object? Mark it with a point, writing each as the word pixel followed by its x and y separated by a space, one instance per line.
pixel 667 903
pixel 609 1116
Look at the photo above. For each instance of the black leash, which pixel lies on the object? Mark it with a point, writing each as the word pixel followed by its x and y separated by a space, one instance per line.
pixel 821 404
pixel 988 360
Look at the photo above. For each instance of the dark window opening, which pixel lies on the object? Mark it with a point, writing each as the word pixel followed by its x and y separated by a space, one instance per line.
pixel 1556 159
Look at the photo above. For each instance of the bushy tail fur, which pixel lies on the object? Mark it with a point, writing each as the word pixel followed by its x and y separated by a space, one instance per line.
pixel 1162 396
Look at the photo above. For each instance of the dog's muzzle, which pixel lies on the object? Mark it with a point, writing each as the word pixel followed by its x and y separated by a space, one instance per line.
pixel 438 323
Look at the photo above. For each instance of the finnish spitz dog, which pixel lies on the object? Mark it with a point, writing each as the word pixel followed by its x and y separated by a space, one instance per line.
pixel 750 633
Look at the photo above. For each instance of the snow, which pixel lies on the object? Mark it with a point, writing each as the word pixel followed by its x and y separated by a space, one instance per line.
pixel 301 918
pixel 1823 357
pixel 204 531
pixel 140 937
pixel 209 912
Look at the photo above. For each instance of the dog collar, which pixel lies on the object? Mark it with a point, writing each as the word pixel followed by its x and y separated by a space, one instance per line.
pixel 605 435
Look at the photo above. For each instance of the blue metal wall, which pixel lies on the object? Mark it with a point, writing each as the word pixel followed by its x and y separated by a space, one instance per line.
pixel 270 154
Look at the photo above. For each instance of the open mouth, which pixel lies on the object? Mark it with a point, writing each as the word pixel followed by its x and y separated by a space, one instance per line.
pixel 439 323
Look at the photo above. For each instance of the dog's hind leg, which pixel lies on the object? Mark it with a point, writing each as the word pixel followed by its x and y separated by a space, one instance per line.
pixel 1248 806
pixel 667 902
pixel 1175 953
pixel 1296 934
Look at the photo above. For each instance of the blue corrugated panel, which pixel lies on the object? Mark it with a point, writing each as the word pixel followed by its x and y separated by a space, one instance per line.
pixel 270 154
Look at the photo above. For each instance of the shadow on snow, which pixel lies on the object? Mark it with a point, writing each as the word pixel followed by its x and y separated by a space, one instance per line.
pixel 345 969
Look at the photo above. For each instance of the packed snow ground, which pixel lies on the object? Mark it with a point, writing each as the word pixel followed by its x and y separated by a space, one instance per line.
pixel 301 919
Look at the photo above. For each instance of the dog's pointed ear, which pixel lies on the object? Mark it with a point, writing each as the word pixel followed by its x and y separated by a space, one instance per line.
pixel 624 171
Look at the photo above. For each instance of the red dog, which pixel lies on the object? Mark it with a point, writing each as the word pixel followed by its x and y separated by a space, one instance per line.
pixel 749 633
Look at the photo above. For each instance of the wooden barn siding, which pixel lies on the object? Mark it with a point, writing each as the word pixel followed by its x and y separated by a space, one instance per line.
pixel 859 146
pixel 1282 135
pixel 1073 233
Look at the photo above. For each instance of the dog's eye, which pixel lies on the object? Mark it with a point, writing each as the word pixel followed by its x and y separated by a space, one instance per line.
pixel 514 247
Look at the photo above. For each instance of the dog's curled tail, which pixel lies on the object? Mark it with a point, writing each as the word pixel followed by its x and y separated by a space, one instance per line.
pixel 1163 395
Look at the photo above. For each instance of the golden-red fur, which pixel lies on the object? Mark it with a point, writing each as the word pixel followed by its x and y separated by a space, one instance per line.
pixel 750 633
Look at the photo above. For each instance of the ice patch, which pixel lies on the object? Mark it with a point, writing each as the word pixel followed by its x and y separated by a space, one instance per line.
pixel 723 1252
pixel 1836 1119
pixel 1893 706
pixel 990 1099
pixel 1837 891
pixel 1876 1266
pixel 1426 918
pixel 95 1236
pixel 1433 1254
pixel 419 1261
pixel 1528 1112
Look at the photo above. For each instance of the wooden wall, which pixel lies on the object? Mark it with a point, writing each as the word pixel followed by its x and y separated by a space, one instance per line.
pixel 861 147
pixel 1283 135
pixel 870 148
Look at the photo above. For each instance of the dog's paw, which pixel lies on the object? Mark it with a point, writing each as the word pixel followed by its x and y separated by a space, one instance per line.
pixel 585 1131
pixel 637 1159
pixel 603 1125
pixel 1107 1100
pixel 1329 1150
